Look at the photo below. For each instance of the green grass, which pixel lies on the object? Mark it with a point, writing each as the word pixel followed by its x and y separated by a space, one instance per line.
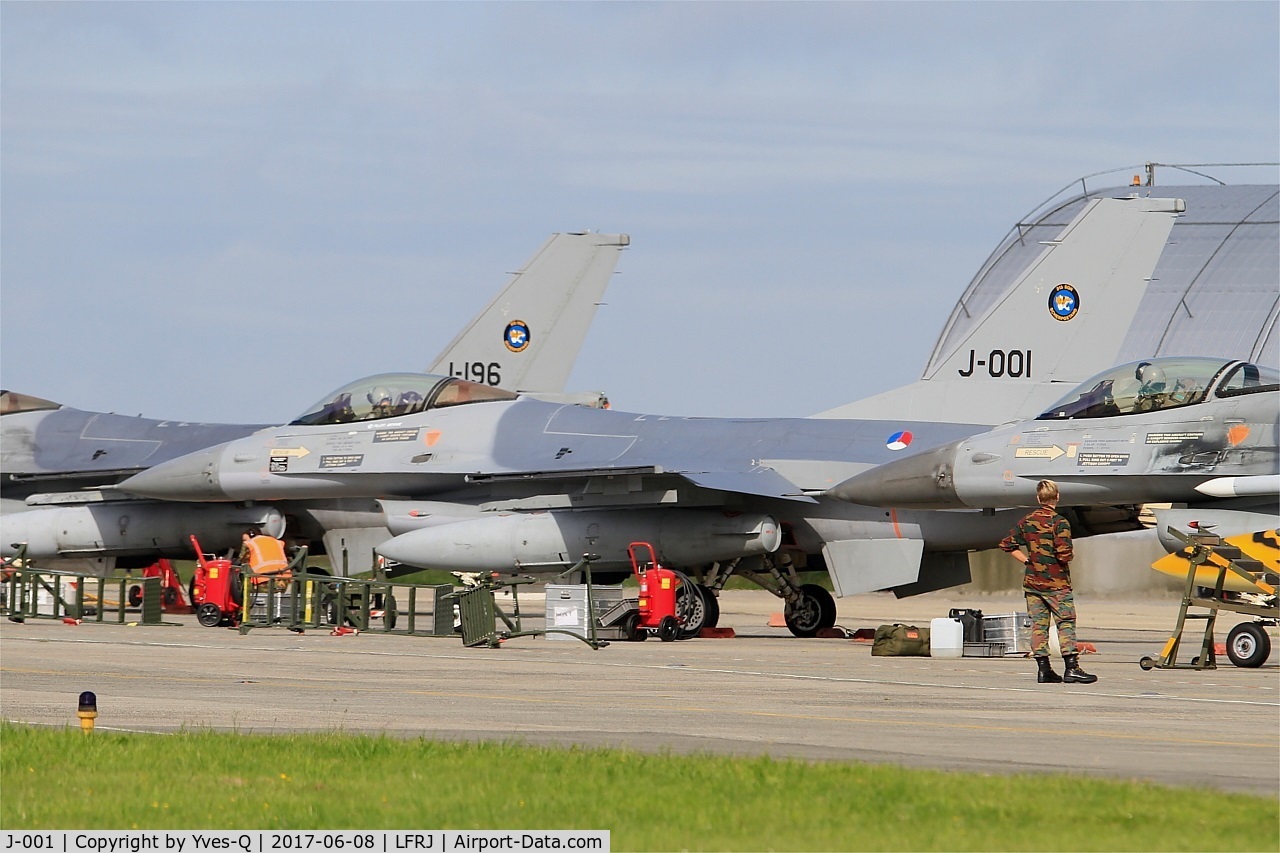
pixel 63 779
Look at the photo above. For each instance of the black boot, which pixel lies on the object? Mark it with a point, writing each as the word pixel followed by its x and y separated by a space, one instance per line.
pixel 1046 675
pixel 1076 675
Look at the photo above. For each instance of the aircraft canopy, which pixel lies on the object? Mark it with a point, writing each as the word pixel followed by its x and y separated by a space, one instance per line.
pixel 391 395
pixel 1161 383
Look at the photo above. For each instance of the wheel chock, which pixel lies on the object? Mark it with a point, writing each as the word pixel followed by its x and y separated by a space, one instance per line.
pixel 863 635
pixel 344 631
pixel 1086 648
pixel 777 620
pixel 833 633
pixel 717 634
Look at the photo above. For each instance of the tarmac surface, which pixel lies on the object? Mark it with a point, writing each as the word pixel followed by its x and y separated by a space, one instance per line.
pixel 761 692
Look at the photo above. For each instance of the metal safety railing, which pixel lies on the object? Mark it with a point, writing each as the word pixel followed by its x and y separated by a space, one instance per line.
pixel 479 613
pixel 29 592
pixel 314 600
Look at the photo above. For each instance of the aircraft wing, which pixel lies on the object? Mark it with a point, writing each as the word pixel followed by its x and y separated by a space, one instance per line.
pixel 757 482
pixel 761 482
pixel 528 337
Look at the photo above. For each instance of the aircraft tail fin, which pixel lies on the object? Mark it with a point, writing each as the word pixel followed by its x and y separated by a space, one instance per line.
pixel 1060 321
pixel 528 337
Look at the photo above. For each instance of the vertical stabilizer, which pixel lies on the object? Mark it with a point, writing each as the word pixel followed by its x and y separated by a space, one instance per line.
pixel 1060 322
pixel 528 337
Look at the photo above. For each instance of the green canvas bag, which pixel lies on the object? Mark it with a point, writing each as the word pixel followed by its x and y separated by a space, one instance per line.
pixel 900 640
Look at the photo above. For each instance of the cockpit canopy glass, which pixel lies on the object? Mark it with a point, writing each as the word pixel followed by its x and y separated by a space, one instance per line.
pixel 1161 383
pixel 393 395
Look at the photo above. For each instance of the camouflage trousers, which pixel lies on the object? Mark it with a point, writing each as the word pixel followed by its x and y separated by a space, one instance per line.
pixel 1061 606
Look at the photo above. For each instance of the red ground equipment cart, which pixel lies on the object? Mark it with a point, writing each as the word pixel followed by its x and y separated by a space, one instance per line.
pixel 215 590
pixel 657 611
pixel 170 588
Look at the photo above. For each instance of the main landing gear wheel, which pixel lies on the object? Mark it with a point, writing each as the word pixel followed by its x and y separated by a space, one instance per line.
pixel 209 615
pixel 713 606
pixel 1248 645
pixel 693 610
pixel 814 610
pixel 668 629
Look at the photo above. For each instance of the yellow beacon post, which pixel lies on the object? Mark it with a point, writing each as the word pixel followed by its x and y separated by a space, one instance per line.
pixel 88 711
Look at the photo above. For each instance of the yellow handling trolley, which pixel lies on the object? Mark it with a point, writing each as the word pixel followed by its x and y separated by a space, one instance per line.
pixel 1223 575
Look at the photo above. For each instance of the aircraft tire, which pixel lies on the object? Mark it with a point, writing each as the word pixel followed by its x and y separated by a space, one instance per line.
pixel 813 611
pixel 692 609
pixel 1248 645
pixel 713 607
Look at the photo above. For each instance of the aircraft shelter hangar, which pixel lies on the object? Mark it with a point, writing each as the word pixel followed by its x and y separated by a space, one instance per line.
pixel 1227 242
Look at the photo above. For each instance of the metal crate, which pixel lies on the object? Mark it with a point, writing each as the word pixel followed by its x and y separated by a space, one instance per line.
pixel 1011 629
pixel 984 650
pixel 566 609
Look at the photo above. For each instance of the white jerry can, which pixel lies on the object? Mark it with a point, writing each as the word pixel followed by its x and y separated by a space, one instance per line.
pixel 946 638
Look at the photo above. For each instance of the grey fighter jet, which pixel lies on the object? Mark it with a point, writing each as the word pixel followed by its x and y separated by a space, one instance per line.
pixel 514 485
pixel 1199 433
pixel 60 463
pixel 473 478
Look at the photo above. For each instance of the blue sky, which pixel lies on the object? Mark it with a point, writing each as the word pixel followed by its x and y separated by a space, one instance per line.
pixel 220 211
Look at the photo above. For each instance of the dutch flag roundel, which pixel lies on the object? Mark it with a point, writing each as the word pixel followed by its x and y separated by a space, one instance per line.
pixel 899 440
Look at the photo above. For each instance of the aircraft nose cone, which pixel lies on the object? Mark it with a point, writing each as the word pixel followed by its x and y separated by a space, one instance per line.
pixel 193 477
pixel 924 480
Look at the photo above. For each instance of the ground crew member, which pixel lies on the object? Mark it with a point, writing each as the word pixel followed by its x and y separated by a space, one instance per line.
pixel 264 555
pixel 1042 543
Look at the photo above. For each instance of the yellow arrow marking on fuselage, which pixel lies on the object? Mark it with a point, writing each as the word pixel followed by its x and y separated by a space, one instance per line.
pixel 1051 452
pixel 290 451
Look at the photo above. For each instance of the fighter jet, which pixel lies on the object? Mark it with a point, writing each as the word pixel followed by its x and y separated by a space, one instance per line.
pixel 1199 433
pixel 472 479
pixel 60 462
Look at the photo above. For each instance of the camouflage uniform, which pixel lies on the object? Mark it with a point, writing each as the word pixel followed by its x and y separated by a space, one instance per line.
pixel 1045 537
